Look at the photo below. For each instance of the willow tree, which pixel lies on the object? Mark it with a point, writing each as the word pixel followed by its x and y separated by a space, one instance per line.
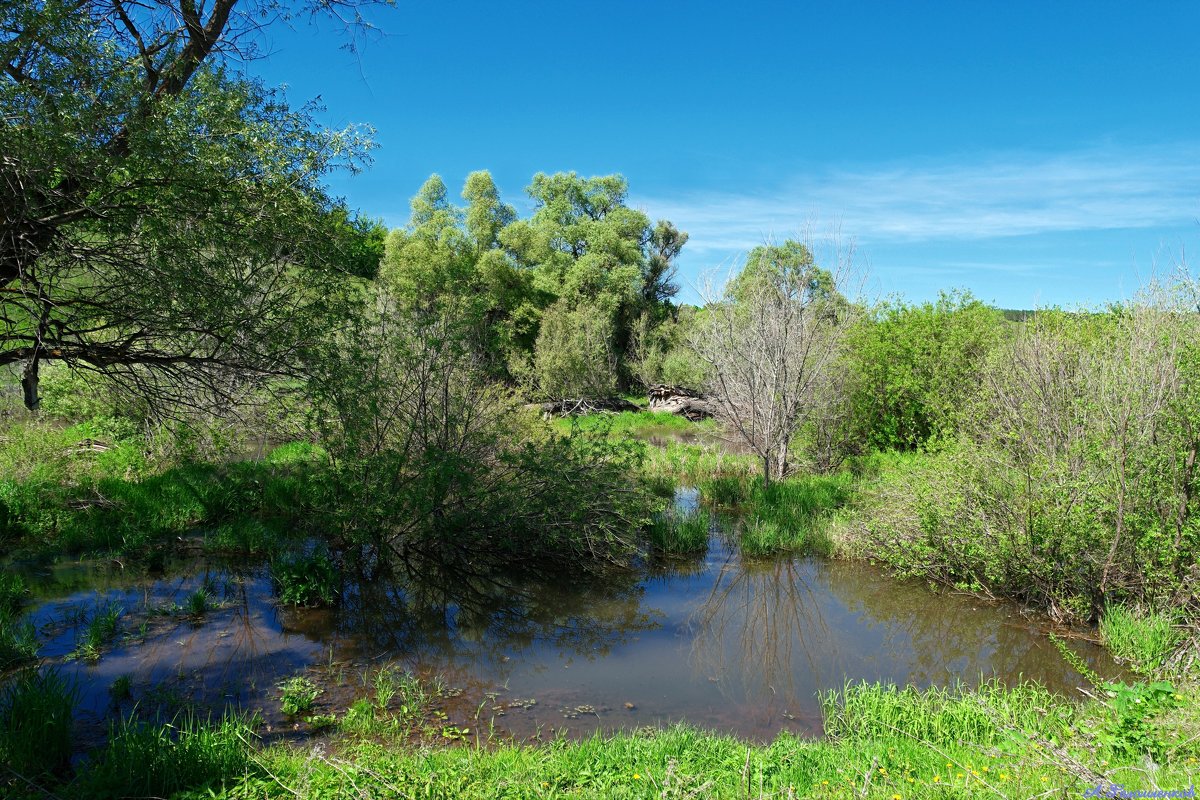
pixel 164 219
pixel 770 343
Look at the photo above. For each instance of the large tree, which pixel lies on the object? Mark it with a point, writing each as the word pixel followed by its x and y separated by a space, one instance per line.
pixel 164 219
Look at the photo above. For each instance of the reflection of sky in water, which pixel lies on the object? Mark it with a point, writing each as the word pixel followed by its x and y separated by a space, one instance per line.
pixel 718 642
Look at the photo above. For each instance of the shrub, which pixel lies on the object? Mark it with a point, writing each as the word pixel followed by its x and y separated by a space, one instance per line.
pixel 305 579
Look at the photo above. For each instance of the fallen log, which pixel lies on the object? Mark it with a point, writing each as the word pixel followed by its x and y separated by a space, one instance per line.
pixel 682 401
pixel 564 408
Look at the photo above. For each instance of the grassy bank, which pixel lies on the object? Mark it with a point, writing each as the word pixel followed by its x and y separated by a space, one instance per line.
pixel 881 742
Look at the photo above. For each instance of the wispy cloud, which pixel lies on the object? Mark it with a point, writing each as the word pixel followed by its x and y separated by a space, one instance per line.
pixel 1002 195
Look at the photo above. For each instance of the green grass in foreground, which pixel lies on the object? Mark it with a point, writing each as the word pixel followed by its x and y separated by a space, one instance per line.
pixel 882 742
pixel 885 743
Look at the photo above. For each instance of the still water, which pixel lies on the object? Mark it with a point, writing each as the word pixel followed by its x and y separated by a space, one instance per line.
pixel 725 643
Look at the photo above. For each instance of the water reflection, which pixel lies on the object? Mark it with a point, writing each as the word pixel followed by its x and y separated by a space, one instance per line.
pixel 740 646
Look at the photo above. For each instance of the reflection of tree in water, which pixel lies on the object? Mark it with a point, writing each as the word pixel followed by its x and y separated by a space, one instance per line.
pixel 787 627
pixel 450 616
pixel 757 626
pixel 927 638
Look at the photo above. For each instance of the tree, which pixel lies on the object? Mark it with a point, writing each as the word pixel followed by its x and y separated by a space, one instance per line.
pixel 770 344
pixel 164 223
pixel 585 246
pixel 448 260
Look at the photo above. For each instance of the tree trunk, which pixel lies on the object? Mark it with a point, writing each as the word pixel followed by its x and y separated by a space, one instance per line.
pixel 29 384
pixel 766 470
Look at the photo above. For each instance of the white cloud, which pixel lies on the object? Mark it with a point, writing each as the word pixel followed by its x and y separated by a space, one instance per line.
pixel 1002 195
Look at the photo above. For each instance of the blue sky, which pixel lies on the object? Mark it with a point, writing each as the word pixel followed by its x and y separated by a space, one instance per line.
pixel 1034 153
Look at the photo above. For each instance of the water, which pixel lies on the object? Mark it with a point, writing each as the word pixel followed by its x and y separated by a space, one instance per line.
pixel 740 646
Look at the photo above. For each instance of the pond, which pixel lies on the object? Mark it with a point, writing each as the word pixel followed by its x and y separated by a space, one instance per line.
pixel 725 643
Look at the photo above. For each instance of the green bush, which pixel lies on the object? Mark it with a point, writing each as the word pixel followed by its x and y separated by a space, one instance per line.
pixel 297 695
pixel 681 532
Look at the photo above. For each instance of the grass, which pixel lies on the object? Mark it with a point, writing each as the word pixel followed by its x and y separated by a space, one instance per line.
pixel 726 491
pixel 91 488
pixel 146 760
pixel 36 709
pixel 13 593
pixel 790 515
pixel 681 533
pixel 101 630
pixel 1143 640
pixel 308 580
pixel 632 423
pixel 985 715
pixel 18 643
pixel 198 603
pixel 884 742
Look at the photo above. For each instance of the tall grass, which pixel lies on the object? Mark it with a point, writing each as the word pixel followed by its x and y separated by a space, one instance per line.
pixel 13 592
pixel 631 423
pixel 984 716
pixel 791 515
pixel 101 630
pixel 693 463
pixel 1143 640
pixel 36 709
pixel 681 532
pixel 18 643
pixel 144 760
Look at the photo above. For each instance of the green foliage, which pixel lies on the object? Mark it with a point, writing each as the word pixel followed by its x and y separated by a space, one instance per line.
pixel 91 488
pixel 791 515
pixel 985 715
pixel 438 464
pixel 305 579
pixel 148 760
pixel 198 603
pixel 914 367
pixel 1070 482
pixel 726 491
pixel 162 247
pixel 1073 658
pixel 13 592
pixel 556 300
pixel 36 710
pixel 1144 640
pixel 575 355
pixel 18 642
pixel 1129 731
pixel 297 695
